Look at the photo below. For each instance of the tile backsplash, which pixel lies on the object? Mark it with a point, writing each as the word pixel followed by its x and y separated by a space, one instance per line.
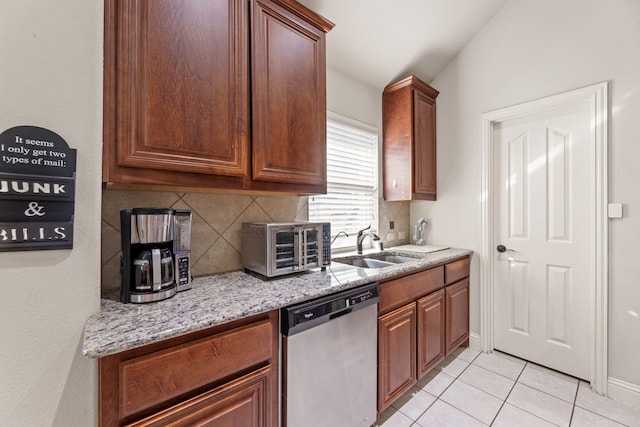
pixel 215 233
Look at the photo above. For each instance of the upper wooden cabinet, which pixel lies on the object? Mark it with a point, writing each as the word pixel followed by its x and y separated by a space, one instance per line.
pixel 409 140
pixel 289 86
pixel 215 94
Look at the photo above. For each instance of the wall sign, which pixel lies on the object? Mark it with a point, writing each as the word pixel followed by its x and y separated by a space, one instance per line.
pixel 37 190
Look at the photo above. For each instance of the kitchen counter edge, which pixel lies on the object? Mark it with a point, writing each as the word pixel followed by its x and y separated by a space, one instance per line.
pixel 218 299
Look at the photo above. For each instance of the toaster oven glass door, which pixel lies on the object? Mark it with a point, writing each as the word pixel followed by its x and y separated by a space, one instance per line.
pixel 285 249
pixel 296 249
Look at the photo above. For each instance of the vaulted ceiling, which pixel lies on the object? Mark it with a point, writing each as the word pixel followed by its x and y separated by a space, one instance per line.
pixel 380 41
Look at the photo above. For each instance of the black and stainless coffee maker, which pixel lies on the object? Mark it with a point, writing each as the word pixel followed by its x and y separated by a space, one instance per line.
pixel 182 249
pixel 148 266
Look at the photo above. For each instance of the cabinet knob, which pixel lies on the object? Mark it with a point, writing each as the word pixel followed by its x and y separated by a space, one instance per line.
pixel 395 183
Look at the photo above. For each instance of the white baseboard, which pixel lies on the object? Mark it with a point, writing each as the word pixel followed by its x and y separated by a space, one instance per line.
pixel 623 391
pixel 474 341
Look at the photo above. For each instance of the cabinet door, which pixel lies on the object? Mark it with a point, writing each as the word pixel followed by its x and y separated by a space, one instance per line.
pixel 288 97
pixel 431 327
pixel 424 179
pixel 243 402
pixel 176 90
pixel 457 308
pixel 397 143
pixel 409 140
pixel 396 354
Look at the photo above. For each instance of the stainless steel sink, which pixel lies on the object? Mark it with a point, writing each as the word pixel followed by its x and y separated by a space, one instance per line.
pixel 379 260
pixel 392 258
pixel 364 262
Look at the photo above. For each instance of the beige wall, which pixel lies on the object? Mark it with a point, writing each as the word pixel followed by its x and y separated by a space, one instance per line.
pixel 532 49
pixel 51 76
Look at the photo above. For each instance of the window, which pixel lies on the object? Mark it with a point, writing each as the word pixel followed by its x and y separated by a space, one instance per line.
pixel 351 202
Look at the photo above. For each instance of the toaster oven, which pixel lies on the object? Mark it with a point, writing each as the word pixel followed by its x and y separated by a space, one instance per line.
pixel 274 249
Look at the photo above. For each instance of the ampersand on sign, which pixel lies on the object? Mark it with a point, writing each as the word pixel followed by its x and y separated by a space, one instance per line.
pixel 34 210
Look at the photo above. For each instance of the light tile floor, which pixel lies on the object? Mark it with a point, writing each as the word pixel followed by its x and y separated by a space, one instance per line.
pixel 470 388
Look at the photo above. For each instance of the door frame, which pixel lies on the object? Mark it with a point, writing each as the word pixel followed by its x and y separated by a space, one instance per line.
pixel 597 96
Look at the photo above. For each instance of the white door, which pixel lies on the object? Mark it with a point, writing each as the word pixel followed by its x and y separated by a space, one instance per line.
pixel 543 215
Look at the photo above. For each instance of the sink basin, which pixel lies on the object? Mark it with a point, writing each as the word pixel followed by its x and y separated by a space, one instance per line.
pixel 379 260
pixel 364 262
pixel 391 257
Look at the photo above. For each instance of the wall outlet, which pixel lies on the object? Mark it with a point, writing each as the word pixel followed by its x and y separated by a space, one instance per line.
pixel 392 225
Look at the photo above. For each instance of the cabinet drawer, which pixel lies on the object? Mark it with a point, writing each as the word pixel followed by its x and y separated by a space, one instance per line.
pixel 456 270
pixel 157 377
pixel 399 292
pixel 240 401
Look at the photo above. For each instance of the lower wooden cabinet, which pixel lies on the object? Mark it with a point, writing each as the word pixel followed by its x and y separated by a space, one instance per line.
pixel 457 308
pixel 239 403
pixel 223 376
pixel 431 325
pixel 422 318
pixel 396 353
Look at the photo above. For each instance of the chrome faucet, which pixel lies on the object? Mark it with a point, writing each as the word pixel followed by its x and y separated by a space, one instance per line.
pixel 362 235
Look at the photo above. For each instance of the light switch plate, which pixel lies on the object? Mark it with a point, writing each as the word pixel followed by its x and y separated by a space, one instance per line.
pixel 615 210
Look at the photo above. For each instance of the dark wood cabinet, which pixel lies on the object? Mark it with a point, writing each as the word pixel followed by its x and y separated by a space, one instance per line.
pixel 217 94
pixel 431 327
pixel 456 277
pixel 409 140
pixel 239 403
pixel 223 376
pixel 457 309
pixel 396 354
pixel 422 317
pixel 288 103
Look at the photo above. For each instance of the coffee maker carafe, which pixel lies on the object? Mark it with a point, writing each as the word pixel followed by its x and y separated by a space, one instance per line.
pixel 148 269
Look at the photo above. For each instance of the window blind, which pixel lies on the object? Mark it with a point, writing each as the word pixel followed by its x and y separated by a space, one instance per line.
pixel 352 179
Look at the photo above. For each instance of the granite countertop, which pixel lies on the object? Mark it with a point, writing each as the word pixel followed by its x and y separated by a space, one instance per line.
pixel 222 298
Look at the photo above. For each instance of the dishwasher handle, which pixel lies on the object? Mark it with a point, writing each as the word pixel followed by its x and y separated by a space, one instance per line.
pixel 340 313
pixel 300 317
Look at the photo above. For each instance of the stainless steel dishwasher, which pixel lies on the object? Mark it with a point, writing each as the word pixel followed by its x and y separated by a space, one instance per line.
pixel 329 360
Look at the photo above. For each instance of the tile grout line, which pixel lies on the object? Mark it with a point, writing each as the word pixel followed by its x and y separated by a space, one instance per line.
pixel 415 422
pixel 593 412
pixel 504 402
pixel 456 378
pixel 575 400
pixel 544 392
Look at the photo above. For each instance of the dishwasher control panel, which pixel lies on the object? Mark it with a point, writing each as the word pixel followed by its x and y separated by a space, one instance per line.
pixel 363 296
pixel 298 318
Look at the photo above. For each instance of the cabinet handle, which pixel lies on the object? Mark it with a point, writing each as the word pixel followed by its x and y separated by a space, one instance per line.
pixel 503 249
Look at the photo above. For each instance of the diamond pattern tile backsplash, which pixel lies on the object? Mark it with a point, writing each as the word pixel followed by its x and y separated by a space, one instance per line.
pixel 215 230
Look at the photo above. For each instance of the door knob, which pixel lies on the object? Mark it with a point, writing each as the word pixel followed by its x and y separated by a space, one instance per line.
pixel 502 249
